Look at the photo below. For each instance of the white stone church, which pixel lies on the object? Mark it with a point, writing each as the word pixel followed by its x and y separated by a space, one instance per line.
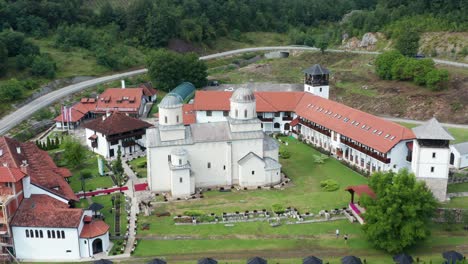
pixel 231 152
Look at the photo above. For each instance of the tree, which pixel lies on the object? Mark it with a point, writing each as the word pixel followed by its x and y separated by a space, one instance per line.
pixel 408 43
pixel 322 43
pixel 3 58
pixel 435 78
pixel 11 90
pixel 43 65
pixel 400 215
pixel 117 167
pixel 74 152
pixel 384 63
pixel 168 69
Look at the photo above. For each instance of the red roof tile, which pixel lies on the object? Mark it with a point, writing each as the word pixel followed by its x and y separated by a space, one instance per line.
pixel 148 89
pixel 77 111
pixel 94 228
pixel 295 122
pixel 190 116
pixel 117 99
pixel 360 126
pixel 116 123
pixel 8 174
pixel 361 189
pixel 212 100
pixel 41 210
pixel 40 166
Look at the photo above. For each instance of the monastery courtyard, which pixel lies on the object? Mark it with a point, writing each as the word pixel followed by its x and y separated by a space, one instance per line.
pixel 290 242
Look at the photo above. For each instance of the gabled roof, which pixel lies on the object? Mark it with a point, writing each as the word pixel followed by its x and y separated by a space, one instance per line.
pixel 316 69
pixel 148 89
pixel 248 157
pixel 370 130
pixel 77 111
pixel 41 210
pixel 40 166
pixel 189 115
pixel 432 129
pixel 122 100
pixel 116 123
pixel 8 174
pixel 462 148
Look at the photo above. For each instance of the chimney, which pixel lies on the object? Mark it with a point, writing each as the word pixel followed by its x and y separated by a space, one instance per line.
pixel 104 117
pixel 123 84
pixel 18 150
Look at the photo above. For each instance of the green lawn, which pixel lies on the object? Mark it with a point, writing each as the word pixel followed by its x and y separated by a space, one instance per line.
pixel 90 165
pixel 457 187
pixel 457 202
pixel 139 166
pixel 106 201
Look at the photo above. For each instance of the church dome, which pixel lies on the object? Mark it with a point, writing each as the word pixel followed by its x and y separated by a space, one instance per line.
pixel 171 101
pixel 243 95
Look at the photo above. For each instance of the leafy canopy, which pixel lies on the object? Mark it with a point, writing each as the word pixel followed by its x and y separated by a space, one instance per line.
pixel 74 153
pixel 168 69
pixel 400 215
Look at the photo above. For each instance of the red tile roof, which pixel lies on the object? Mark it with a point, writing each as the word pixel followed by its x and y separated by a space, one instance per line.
pixel 78 111
pixel 375 132
pixel 8 174
pixel 190 116
pixel 94 228
pixel 41 210
pixel 116 123
pixel 361 189
pixel 126 100
pixel 40 166
pixel 148 89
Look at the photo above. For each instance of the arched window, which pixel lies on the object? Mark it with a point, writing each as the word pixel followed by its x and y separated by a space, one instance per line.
pixel 237 113
pixel 27 233
pixel 276 125
pixel 48 234
pixel 180 161
pixel 177 117
pixel 63 234
pixel 31 233
pixel 58 234
pixel 41 234
pixel 286 126
pixel 36 232
pixel 245 113
pixel 165 120
pixel 53 233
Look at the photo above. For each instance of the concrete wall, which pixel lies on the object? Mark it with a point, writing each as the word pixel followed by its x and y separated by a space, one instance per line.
pixel 46 248
pixel 437 186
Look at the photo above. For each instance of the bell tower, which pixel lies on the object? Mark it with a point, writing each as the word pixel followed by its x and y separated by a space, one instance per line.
pixel 316 81
pixel 431 157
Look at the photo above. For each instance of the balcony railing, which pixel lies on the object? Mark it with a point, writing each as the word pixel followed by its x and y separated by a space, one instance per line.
pixel 367 152
pixel 321 130
pixel 266 119
pixel 126 135
pixel 128 143
pixel 317 83
pixel 287 118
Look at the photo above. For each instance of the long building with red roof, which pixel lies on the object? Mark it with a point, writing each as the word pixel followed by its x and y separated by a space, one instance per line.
pixel 37 216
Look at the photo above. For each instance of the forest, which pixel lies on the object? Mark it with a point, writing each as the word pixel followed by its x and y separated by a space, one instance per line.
pixel 111 31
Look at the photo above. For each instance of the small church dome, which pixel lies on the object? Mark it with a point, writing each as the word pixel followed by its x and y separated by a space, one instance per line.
pixel 243 95
pixel 171 101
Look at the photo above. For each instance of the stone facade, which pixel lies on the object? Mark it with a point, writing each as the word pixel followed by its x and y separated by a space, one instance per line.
pixel 438 186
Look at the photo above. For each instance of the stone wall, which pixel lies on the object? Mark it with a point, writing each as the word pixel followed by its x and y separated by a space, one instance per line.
pixel 437 186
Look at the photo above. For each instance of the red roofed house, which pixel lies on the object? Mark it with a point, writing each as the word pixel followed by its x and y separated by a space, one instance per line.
pixel 37 221
pixel 106 134
pixel 366 141
pixel 132 101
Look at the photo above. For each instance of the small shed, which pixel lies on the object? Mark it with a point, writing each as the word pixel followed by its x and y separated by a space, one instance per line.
pixel 459 155
pixel 185 90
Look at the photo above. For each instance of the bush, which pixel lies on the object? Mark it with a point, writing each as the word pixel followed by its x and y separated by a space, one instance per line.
pixel 86 175
pixel 11 90
pixel 284 154
pixel 329 185
pixel 277 208
pixel 194 213
pixel 43 65
pixel 141 164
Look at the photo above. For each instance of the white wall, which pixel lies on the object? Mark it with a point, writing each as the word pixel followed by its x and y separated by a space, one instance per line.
pixel 36 190
pixel 252 173
pixel 423 161
pixel 174 116
pixel 460 161
pixel 216 116
pixel 322 91
pixel 46 248
pixel 102 144
pixel 181 188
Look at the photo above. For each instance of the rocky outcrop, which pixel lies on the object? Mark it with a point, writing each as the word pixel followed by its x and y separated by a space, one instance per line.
pixel 367 42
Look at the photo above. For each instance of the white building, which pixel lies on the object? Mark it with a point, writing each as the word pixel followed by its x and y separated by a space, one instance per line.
pixel 233 151
pixel 106 134
pixel 365 141
pixel 37 221
pixel 459 155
